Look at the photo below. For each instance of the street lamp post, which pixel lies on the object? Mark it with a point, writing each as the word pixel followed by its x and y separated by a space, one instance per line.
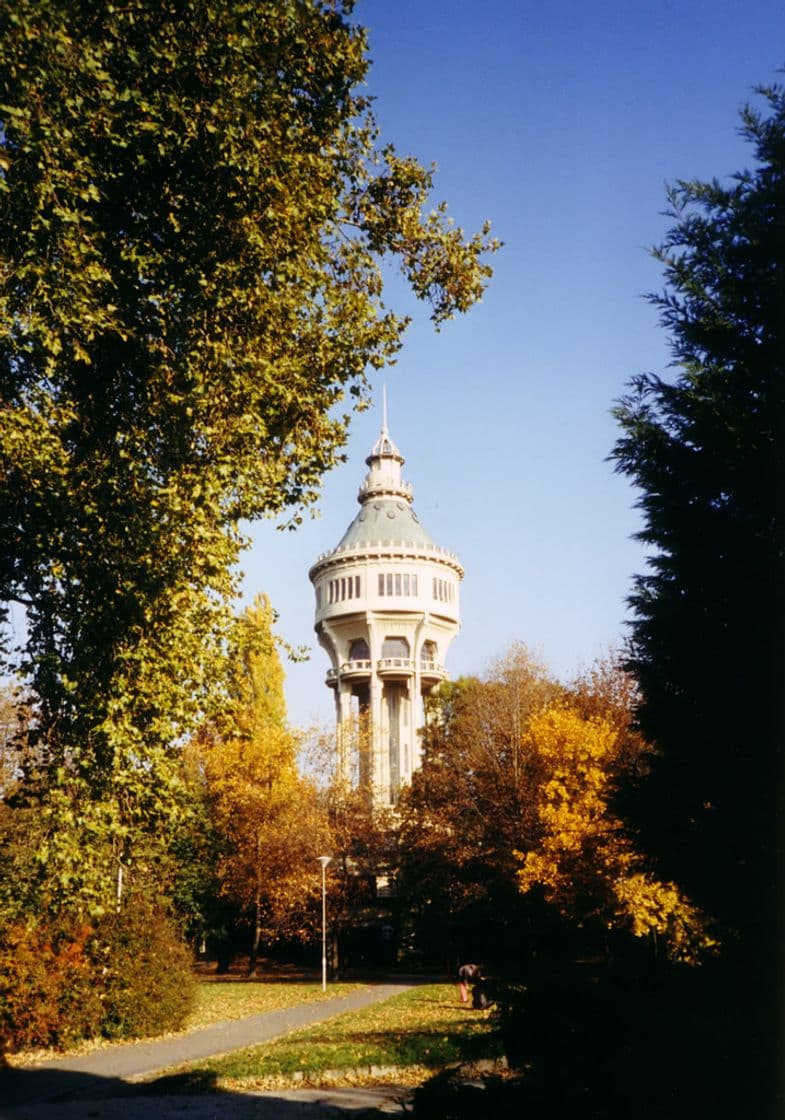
pixel 324 860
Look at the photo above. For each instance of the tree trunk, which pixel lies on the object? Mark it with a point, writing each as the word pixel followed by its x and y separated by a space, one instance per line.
pixel 257 935
pixel 333 956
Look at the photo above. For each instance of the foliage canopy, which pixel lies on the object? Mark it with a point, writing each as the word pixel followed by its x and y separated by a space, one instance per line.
pixel 509 834
pixel 583 858
pixel 470 805
pixel 194 212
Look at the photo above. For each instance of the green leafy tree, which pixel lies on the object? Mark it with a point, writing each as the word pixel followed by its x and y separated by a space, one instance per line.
pixel 194 214
pixel 705 448
pixel 192 880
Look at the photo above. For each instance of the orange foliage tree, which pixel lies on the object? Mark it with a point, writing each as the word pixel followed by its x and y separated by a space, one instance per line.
pixel 469 808
pixel 263 810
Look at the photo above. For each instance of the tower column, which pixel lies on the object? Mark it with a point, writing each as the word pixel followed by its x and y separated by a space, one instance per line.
pixel 346 732
pixel 378 733
pixel 418 708
pixel 418 717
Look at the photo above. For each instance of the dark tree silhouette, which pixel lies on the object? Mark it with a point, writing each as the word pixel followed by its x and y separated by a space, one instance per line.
pixel 705 448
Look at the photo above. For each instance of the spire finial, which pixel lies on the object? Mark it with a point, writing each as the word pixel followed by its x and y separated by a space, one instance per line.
pixel 384 408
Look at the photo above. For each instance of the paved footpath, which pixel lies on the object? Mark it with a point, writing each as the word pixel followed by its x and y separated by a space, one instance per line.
pixel 95 1086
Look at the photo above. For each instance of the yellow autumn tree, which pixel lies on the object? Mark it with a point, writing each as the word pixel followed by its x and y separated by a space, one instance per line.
pixel 583 860
pixel 263 810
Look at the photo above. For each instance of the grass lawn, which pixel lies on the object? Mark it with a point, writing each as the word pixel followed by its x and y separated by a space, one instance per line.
pixel 423 1029
pixel 216 1001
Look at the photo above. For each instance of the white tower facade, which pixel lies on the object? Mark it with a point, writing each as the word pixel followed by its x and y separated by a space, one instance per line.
pixel 387 609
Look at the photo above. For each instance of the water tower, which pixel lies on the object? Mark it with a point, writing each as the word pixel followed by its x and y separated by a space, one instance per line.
pixel 387 609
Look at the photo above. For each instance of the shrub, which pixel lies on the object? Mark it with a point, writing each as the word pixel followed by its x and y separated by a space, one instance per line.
pixel 48 995
pixel 127 976
pixel 463 1093
pixel 643 1038
pixel 147 983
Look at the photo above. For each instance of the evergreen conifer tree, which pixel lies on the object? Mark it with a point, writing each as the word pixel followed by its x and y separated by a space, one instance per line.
pixel 705 448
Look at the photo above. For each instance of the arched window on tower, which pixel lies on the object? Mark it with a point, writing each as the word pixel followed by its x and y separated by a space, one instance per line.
pixel 428 652
pixel 395 647
pixel 358 650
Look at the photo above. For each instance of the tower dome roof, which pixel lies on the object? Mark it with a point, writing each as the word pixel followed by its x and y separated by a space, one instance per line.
pixel 385 520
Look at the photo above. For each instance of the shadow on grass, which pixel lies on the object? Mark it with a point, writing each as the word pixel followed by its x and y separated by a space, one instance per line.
pixel 189 1083
pixel 433 1048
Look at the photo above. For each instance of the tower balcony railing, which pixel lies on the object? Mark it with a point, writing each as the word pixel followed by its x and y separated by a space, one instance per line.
pixel 432 671
pixel 385 548
pixel 385 486
pixel 395 666
pixel 359 667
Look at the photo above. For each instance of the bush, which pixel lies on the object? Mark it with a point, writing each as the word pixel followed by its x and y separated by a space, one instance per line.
pixel 48 995
pixel 147 983
pixel 463 1093
pixel 127 976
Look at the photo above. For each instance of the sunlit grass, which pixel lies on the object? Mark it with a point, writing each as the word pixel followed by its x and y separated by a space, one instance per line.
pixel 423 1029
pixel 215 1002
pixel 218 1002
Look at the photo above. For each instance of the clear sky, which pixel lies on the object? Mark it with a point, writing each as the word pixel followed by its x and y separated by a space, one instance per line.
pixel 561 122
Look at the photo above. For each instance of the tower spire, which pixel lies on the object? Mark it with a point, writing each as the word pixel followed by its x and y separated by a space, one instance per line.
pixel 385 460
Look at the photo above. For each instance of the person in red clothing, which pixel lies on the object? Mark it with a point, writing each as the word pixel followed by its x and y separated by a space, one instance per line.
pixel 468 974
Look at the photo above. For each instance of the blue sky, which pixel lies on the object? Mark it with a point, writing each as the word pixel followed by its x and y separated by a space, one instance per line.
pixel 561 123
